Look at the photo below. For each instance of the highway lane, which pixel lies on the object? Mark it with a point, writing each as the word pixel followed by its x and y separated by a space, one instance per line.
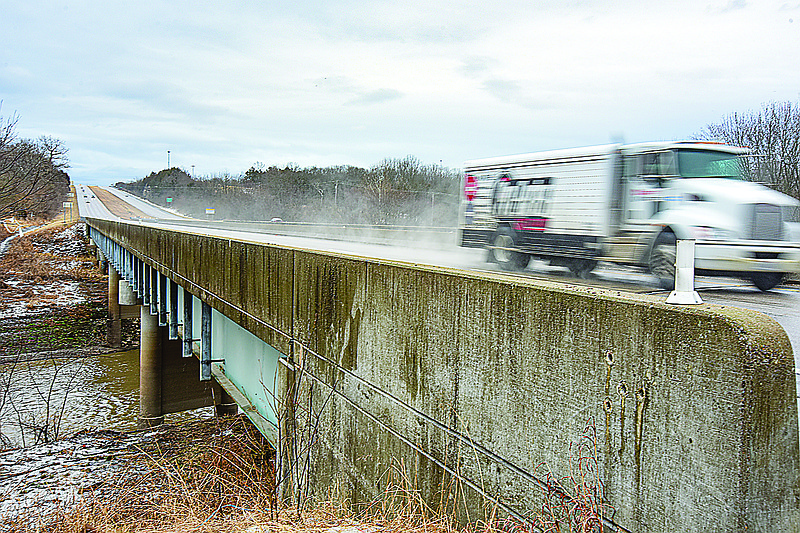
pixel 149 208
pixel 89 205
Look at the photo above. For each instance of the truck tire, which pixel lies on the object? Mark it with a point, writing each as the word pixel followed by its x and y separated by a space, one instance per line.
pixel 582 267
pixel 508 259
pixel 766 280
pixel 662 260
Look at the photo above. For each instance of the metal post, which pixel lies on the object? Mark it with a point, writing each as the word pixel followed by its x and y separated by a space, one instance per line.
pixel 145 284
pixel 162 300
pixel 137 277
pixel 205 343
pixel 684 293
pixel 188 333
pixel 173 310
pixel 126 264
pixel 134 273
pixel 102 262
pixel 153 291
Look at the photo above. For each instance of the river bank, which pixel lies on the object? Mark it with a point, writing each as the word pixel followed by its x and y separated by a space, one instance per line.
pixel 53 297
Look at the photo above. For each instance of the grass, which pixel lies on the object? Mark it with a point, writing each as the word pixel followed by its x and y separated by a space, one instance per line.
pixel 40 264
pixel 78 325
pixel 217 475
pixel 212 476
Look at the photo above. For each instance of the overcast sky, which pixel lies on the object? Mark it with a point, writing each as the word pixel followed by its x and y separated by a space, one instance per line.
pixel 223 85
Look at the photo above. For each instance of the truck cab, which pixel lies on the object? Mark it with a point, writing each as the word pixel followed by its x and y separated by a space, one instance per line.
pixel 699 191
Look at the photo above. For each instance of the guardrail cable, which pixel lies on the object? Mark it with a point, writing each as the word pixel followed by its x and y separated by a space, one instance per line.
pixel 411 444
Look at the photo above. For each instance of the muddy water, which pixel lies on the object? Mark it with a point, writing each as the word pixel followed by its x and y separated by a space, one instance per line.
pixel 46 399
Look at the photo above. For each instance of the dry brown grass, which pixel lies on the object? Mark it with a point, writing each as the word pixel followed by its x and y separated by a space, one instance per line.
pixel 217 476
pixel 41 256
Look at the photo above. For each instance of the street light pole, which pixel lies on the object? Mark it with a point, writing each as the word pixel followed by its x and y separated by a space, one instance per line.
pixel 167 159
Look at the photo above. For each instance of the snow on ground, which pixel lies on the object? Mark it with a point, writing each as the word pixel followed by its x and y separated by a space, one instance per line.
pixel 40 479
pixel 40 297
pixel 61 256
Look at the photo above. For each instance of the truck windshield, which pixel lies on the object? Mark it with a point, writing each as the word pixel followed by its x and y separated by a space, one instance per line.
pixel 708 164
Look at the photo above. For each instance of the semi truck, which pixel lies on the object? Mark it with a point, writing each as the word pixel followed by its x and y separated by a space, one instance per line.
pixel 630 204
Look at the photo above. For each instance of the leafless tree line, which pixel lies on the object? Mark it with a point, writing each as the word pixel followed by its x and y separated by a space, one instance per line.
pixel 395 191
pixel 773 134
pixel 33 180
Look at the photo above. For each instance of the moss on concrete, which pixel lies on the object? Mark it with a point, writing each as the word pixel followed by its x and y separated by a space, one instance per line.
pixel 695 407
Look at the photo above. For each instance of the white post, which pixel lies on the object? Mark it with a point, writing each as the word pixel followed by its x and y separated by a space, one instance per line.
pixel 684 293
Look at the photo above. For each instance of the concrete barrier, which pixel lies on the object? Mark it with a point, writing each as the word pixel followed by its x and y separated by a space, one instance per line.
pixel 430 371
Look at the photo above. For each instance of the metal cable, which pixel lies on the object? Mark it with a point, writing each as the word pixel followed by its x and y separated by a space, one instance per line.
pixel 412 445
pixel 464 439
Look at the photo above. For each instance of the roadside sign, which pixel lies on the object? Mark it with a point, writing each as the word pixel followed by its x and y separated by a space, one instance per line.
pixel 210 210
pixel 169 199
pixel 67 205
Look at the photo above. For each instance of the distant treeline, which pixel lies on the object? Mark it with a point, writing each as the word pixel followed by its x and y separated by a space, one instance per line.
pixel 395 191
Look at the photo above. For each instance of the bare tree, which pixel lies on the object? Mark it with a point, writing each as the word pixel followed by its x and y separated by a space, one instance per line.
pixel 774 136
pixel 32 177
pixel 404 190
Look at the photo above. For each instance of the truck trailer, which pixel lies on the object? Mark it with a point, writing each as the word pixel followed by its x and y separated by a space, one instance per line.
pixel 630 204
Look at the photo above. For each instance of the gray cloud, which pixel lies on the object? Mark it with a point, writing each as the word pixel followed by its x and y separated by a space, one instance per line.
pixel 353 82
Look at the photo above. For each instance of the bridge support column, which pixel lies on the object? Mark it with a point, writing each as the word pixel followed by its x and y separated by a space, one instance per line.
pixel 102 262
pixel 114 319
pixel 150 413
pixel 224 404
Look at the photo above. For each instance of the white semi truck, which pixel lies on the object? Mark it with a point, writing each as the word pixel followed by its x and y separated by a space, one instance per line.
pixel 630 204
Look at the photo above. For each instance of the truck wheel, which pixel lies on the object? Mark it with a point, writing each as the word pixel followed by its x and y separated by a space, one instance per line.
pixel 662 260
pixel 504 256
pixel 582 267
pixel 766 280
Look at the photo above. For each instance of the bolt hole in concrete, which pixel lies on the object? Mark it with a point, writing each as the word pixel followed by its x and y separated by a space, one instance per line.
pixel 607 405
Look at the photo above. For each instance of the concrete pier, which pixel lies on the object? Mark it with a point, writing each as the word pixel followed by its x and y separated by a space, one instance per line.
pixel 224 404
pixel 114 320
pixel 150 413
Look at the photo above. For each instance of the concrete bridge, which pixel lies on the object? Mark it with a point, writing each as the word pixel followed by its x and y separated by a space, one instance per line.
pixel 485 394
